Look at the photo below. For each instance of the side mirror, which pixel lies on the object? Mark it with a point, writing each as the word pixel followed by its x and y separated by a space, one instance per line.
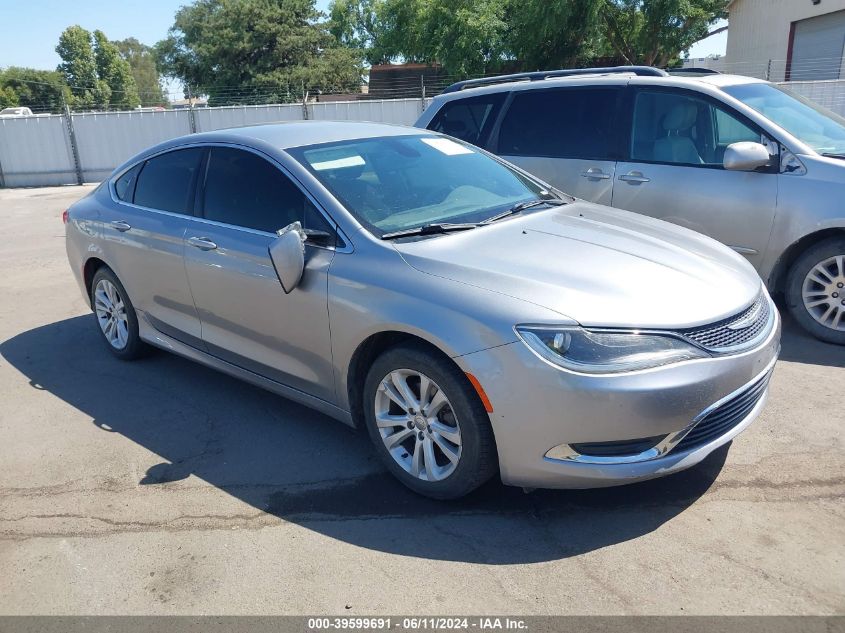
pixel 746 156
pixel 287 253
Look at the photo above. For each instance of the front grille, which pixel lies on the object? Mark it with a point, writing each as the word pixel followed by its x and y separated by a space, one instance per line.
pixel 724 334
pixel 726 416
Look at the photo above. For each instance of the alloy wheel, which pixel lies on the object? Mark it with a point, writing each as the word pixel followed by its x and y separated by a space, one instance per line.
pixel 823 292
pixel 418 425
pixel 111 314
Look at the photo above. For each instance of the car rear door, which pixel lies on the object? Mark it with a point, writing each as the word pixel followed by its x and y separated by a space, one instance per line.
pixel 247 319
pixel 567 136
pixel 674 169
pixel 144 239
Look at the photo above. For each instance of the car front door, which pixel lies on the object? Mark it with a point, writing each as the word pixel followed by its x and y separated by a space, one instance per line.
pixel 144 238
pixel 566 136
pixel 247 319
pixel 674 170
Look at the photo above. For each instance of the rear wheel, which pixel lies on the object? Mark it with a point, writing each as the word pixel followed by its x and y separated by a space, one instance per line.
pixel 427 423
pixel 115 316
pixel 815 290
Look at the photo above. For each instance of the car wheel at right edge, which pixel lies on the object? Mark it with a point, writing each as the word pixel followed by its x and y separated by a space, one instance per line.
pixel 815 290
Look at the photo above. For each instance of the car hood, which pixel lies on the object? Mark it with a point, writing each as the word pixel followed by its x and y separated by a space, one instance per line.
pixel 597 266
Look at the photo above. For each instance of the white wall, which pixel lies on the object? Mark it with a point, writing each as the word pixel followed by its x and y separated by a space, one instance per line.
pixel 759 31
pixel 36 151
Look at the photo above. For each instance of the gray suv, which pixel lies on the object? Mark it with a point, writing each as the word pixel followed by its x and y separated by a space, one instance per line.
pixel 741 160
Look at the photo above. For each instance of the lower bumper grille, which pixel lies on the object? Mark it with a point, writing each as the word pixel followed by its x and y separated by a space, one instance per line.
pixel 726 416
pixel 618 449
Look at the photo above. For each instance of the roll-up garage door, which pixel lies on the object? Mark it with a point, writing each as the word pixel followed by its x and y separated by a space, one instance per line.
pixel 817 47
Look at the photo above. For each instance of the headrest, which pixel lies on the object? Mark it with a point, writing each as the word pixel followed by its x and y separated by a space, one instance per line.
pixel 682 116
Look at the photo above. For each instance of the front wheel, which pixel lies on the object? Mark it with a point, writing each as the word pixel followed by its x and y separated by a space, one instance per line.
pixel 428 424
pixel 815 290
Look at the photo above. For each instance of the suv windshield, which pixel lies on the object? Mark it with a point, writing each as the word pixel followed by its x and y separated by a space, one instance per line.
pixel 396 183
pixel 819 128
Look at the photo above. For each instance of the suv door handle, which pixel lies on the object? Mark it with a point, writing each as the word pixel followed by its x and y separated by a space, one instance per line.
pixel 120 225
pixel 635 177
pixel 202 243
pixel 594 173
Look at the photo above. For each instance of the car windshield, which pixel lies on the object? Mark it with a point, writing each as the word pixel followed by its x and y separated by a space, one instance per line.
pixel 819 128
pixel 397 183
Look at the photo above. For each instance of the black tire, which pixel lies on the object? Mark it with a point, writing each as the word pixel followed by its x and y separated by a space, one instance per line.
pixel 795 282
pixel 478 458
pixel 135 347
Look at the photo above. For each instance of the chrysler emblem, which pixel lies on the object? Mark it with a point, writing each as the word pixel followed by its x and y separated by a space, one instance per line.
pixel 748 320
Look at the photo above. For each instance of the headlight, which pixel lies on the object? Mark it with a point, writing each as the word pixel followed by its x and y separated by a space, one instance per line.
pixel 594 352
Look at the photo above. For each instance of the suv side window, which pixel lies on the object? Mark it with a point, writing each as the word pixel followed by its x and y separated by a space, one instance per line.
pixel 561 123
pixel 683 129
pixel 469 119
pixel 167 181
pixel 246 190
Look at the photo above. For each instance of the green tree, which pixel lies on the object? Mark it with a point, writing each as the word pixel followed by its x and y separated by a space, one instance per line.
pixel 543 35
pixel 465 36
pixel 144 71
pixel 79 68
pixel 657 32
pixel 115 72
pixel 357 24
pixel 254 51
pixel 39 90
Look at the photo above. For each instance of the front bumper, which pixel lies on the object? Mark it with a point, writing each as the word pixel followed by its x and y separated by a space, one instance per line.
pixel 540 411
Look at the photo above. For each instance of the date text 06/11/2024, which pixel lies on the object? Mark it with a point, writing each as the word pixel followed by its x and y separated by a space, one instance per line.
pixel 416 623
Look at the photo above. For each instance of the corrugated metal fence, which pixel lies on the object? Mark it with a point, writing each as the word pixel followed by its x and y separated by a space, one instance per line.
pixel 38 150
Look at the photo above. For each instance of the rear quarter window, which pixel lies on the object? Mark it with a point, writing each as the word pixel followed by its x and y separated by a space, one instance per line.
pixel 470 119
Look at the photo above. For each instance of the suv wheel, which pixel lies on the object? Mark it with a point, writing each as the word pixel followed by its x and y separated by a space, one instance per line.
pixel 815 290
pixel 115 315
pixel 428 424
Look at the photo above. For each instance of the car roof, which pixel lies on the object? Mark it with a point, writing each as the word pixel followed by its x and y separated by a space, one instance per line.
pixel 717 80
pixel 292 134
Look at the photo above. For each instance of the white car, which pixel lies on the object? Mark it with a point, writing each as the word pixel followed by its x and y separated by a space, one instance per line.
pixel 20 111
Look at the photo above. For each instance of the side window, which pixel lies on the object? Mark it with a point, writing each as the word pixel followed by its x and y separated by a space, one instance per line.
pixel 561 123
pixel 246 190
pixel 167 182
pixel 124 187
pixel 469 119
pixel 680 129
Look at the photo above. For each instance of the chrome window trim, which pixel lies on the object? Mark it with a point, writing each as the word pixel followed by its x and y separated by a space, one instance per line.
pixel 347 248
pixel 565 452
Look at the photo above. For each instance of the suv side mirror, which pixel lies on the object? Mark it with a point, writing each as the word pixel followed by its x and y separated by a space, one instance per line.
pixel 287 253
pixel 746 156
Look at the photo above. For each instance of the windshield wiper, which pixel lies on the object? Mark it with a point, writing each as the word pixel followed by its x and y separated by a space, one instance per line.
pixel 522 206
pixel 430 229
pixel 834 155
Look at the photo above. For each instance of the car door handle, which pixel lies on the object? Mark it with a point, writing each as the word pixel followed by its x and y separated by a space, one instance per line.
pixel 635 177
pixel 120 225
pixel 594 173
pixel 202 243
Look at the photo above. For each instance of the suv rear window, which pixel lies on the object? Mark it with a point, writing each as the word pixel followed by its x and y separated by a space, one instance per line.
pixel 469 119
pixel 561 123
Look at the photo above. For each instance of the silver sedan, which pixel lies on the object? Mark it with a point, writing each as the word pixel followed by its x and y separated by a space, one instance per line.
pixel 472 318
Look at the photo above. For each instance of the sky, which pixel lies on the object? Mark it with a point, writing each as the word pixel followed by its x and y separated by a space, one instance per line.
pixel 30 29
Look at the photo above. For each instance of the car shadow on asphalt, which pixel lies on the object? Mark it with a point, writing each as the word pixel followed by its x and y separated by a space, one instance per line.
pixel 301 466
pixel 800 347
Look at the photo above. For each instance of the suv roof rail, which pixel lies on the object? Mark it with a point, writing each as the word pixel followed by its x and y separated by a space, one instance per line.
pixel 692 71
pixel 643 71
